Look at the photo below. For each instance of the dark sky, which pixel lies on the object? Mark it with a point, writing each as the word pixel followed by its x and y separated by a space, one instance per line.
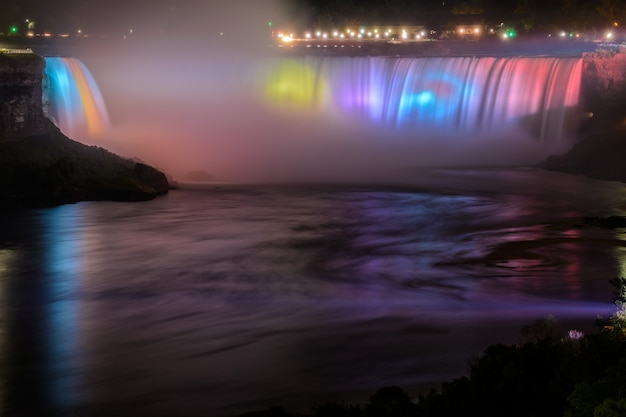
pixel 149 15
pixel 193 16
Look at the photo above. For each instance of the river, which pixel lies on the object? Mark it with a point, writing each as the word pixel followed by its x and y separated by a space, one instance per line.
pixel 225 298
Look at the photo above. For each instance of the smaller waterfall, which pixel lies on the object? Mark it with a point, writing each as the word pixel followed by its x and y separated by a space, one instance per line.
pixel 72 99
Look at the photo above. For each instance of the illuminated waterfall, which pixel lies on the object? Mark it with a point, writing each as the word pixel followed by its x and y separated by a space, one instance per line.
pixel 463 95
pixel 72 99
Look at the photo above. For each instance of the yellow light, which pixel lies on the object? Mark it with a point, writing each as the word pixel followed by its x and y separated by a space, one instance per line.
pixel 294 86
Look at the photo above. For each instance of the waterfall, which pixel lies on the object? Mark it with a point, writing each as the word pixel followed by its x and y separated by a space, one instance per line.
pixel 72 99
pixel 463 96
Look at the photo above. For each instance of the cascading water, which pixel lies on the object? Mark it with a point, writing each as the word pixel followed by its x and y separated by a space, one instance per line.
pixel 323 116
pixel 72 99
pixel 463 95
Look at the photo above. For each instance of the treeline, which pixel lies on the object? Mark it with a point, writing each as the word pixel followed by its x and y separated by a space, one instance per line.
pixel 529 15
pixel 547 374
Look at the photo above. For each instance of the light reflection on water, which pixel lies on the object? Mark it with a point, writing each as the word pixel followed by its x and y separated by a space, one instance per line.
pixel 226 299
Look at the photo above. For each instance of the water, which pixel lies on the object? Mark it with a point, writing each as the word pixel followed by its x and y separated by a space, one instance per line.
pixel 216 300
pixel 282 117
pixel 72 99
pixel 467 96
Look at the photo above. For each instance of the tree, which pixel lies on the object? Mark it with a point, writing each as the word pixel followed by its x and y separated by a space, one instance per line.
pixel 390 402
pixel 547 329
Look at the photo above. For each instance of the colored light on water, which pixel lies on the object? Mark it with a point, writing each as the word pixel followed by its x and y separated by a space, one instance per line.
pixel 75 102
pixel 449 94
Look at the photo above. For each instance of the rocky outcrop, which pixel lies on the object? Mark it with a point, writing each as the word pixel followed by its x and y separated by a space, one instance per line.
pixel 600 155
pixel 51 169
pixel 604 74
pixel 21 112
pixel 604 87
pixel 600 151
pixel 39 166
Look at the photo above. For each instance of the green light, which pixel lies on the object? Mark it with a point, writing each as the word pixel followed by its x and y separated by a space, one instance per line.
pixel 511 33
pixel 13 29
pixel 269 24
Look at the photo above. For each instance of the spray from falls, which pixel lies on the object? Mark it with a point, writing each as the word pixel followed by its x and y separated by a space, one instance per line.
pixel 72 99
pixel 283 118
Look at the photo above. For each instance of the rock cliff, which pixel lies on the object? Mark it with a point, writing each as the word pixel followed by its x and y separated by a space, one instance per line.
pixel 39 166
pixel 21 111
pixel 604 85
pixel 600 151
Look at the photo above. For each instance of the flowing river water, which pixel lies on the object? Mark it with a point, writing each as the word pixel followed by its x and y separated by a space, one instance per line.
pixel 222 298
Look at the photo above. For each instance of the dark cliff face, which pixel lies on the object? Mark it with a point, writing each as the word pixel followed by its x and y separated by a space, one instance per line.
pixel 604 86
pixel 601 147
pixel 40 166
pixel 51 169
pixel 604 74
pixel 21 112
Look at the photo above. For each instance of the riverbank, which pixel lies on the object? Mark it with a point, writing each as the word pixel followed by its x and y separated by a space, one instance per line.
pixel 598 155
pixel 49 169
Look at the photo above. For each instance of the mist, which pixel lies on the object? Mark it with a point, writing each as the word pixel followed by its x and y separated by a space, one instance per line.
pixel 190 95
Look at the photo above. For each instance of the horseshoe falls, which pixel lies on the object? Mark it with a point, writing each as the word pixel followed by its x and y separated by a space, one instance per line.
pixel 322 117
pixel 464 96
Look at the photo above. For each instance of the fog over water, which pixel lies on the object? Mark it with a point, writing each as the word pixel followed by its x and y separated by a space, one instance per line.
pixel 204 97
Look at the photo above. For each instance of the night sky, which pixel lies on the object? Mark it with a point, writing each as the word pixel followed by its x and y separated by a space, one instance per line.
pixel 179 16
pixel 148 16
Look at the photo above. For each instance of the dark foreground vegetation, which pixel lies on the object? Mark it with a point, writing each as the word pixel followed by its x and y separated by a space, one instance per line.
pixel 548 374
pixel 50 169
